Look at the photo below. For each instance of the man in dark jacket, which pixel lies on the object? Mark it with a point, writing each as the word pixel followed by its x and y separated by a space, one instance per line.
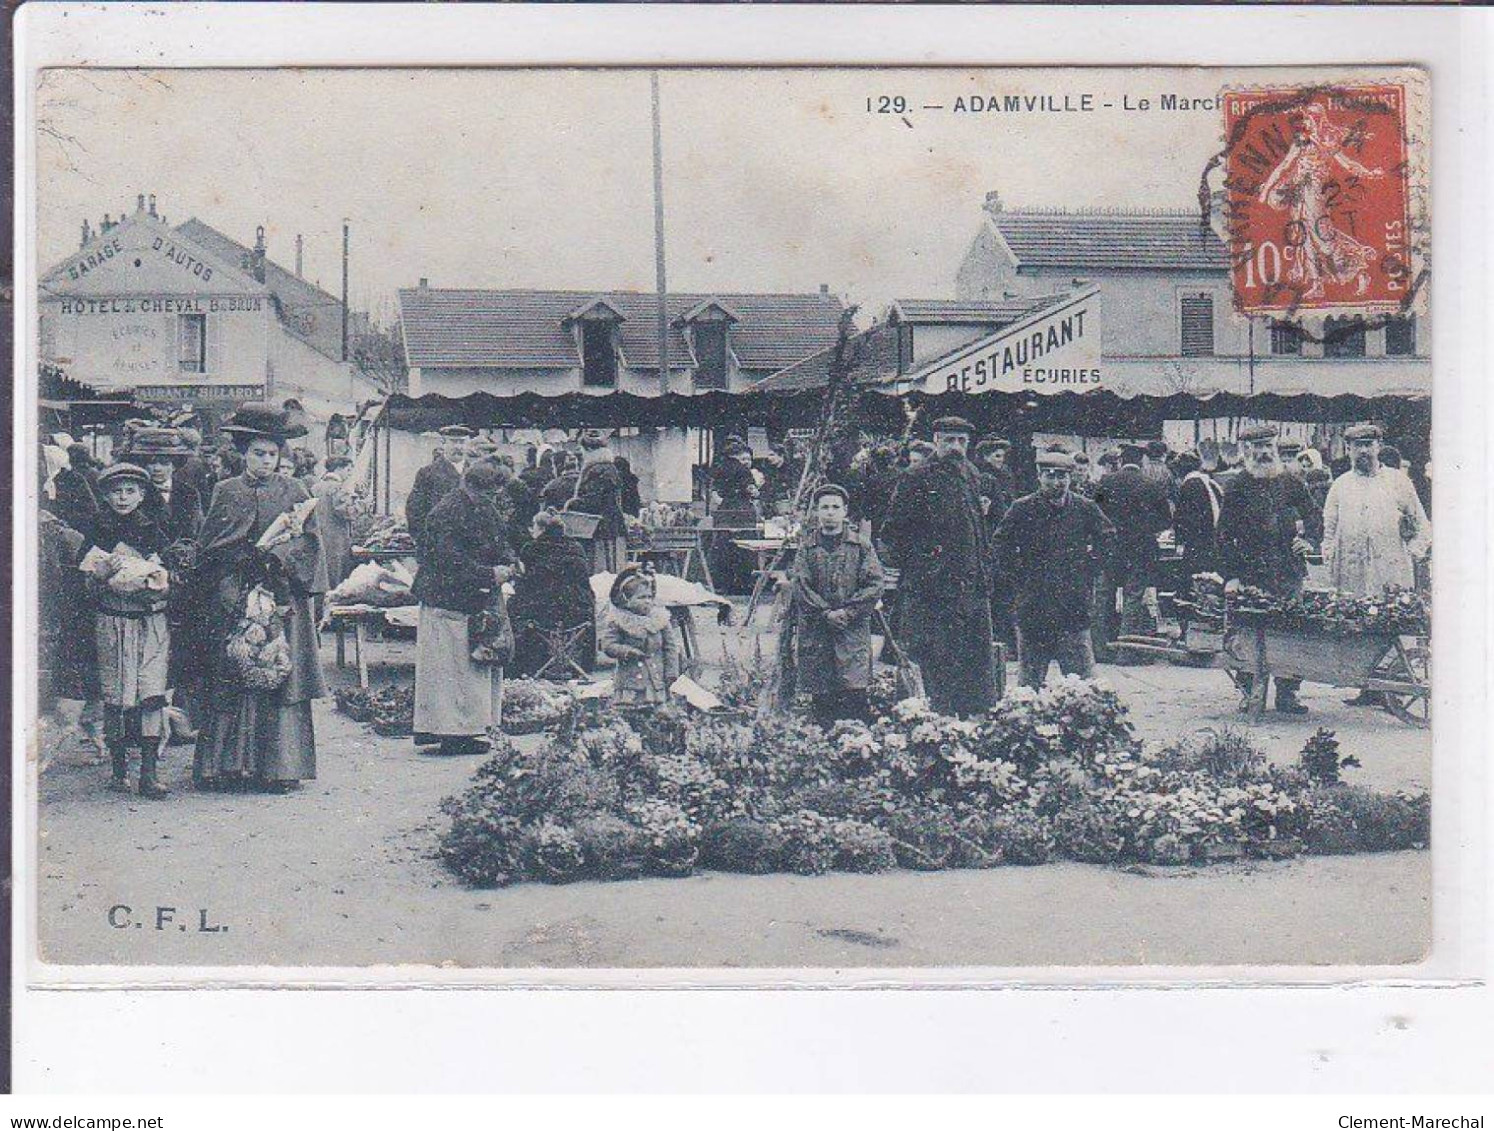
pixel 1199 499
pixel 436 480
pixel 1268 524
pixel 1136 505
pixel 998 490
pixel 75 501
pixel 936 533
pixel 1051 544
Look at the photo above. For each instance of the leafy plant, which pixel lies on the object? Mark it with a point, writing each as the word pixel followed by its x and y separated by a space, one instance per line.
pixel 1321 761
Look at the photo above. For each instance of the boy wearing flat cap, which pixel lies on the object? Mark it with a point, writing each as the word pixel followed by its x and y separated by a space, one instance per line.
pixel 837 581
pixel 1052 544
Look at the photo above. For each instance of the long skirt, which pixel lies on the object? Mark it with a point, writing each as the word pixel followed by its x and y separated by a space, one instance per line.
pixel 133 653
pixel 265 736
pixel 454 697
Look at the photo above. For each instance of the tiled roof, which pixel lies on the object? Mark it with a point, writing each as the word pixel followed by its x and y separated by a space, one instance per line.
pixel 293 291
pixel 874 352
pixel 524 329
pixel 1135 241
pixel 1001 313
pixel 873 360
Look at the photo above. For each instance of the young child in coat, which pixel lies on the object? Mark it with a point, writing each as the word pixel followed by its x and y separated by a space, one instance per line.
pixel 639 635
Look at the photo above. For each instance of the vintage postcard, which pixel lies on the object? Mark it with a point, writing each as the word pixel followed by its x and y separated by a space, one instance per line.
pixel 796 520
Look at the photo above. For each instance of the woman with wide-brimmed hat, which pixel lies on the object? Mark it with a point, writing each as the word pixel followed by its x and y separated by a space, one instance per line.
pixel 256 737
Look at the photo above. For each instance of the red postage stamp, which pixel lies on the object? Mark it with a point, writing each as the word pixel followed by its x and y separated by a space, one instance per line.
pixel 1318 199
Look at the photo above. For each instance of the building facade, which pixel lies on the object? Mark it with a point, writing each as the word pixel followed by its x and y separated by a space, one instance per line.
pixel 1169 320
pixel 507 342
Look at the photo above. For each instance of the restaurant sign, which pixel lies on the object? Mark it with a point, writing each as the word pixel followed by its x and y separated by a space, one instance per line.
pixel 199 392
pixel 1055 350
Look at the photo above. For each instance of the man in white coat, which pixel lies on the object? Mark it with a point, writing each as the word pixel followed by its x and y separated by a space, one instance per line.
pixel 1374 526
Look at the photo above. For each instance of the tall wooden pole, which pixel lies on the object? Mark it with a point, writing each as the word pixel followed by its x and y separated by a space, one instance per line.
pixel 344 290
pixel 662 286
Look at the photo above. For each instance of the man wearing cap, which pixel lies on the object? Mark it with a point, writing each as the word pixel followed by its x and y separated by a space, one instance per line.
pixel 837 581
pixel 1051 544
pixel 437 479
pixel 998 490
pixel 1267 524
pixel 936 532
pixel 1374 526
pixel 1137 506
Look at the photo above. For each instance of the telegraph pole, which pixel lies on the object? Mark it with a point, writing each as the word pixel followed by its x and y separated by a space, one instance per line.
pixel 659 240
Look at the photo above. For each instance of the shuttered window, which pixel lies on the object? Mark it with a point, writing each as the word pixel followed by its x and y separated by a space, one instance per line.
pixel 599 358
pixel 1343 337
pixel 1285 338
pixel 192 342
pixel 1197 313
pixel 1400 337
pixel 710 355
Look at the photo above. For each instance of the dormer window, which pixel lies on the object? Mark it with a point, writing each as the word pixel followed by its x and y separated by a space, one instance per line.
pixel 596 325
pixel 709 326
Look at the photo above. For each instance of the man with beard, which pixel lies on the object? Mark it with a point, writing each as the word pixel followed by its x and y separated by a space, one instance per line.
pixel 1266 523
pixel 936 532
pixel 1374 528
pixel 1051 544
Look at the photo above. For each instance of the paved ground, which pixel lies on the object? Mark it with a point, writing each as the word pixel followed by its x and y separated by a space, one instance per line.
pixel 341 873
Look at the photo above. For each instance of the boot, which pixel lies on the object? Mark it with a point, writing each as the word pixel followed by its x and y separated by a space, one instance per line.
pixel 119 782
pixel 150 754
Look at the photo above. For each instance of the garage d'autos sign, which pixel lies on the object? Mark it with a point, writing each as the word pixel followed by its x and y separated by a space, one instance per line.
pixel 1056 350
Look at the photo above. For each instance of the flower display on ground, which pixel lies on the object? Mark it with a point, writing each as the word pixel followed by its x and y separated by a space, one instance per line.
pixel 1052 774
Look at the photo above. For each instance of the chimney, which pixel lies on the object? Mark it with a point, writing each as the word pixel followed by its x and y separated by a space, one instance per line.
pixel 298 255
pixel 258 259
pixel 140 202
pixel 424 283
pixel 152 207
pixel 87 233
pixel 105 225
pixel 824 288
pixel 993 203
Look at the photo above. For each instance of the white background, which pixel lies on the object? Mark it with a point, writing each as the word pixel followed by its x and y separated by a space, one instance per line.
pixel 1357 1036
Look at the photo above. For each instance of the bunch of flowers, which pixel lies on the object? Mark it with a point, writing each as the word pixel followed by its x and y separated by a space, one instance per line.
pixel 912 789
pixel 393 711
pixel 258 653
pixel 530 706
pixel 1398 612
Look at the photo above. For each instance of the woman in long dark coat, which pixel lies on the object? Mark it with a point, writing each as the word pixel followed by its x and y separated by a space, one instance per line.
pixel 553 593
pixel 261 738
pixel 599 492
pixel 465 554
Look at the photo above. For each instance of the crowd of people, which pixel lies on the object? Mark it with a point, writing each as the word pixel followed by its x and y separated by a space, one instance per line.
pixel 1067 570
pixel 146 562
pixel 150 560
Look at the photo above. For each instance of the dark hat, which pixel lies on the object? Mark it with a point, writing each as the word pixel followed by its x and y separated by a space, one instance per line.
pixel 1055 457
pixel 992 444
pixel 921 446
pixel 830 489
pixel 1288 445
pixel 122 472
pixel 456 432
pixel 735 447
pixel 1081 459
pixel 626 579
pixel 1132 453
pixel 593 438
pixel 1157 449
pixel 263 420
pixel 953 424
pixel 1364 432
pixel 150 442
pixel 1257 432
pixel 1110 457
